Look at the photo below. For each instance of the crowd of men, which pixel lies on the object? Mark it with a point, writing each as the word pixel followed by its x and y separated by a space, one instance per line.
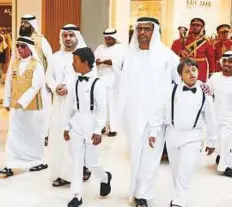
pixel 148 91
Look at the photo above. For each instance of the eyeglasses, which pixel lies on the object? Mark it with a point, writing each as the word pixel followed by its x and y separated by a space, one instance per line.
pixel 145 29
pixel 23 46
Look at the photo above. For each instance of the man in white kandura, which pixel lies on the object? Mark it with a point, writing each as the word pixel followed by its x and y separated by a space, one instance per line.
pixel 59 76
pixel 147 70
pixel 109 59
pixel 221 84
pixel 22 97
pixel 29 27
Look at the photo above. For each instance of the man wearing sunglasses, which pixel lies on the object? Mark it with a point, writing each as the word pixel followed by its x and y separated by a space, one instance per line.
pixel 223 44
pixel 29 27
pixel 200 49
pixel 22 97
pixel 148 70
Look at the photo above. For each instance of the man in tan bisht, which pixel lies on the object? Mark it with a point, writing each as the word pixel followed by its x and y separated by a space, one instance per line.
pixel 29 27
pixel 22 97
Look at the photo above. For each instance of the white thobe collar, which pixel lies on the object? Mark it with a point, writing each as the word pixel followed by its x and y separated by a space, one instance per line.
pixel 26 59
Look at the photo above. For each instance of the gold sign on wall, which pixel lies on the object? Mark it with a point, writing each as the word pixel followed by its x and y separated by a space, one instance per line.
pixel 145 8
pixel 206 3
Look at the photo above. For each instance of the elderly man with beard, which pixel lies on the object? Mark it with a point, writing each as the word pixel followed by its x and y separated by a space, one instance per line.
pixel 22 97
pixel 29 28
pixel 59 76
pixel 148 70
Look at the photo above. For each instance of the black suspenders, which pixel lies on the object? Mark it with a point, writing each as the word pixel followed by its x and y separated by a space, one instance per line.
pixel 199 112
pixel 173 97
pixel 91 95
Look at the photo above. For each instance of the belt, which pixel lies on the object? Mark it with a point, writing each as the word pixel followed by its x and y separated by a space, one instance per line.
pixel 200 59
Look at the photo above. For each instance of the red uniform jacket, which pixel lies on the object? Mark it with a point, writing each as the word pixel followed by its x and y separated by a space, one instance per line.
pixel 220 48
pixel 178 45
pixel 202 51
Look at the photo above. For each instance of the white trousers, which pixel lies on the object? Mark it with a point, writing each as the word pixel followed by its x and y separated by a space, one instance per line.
pixel 183 161
pixel 81 151
pixel 225 143
pixel 112 116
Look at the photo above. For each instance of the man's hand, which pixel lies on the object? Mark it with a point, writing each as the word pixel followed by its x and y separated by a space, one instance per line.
pixel 206 89
pixel 152 142
pixel 209 150
pixel 61 90
pixel 184 54
pixel 66 135
pixel 96 139
pixel 18 106
pixel 98 62
pixel 107 62
pixel 7 108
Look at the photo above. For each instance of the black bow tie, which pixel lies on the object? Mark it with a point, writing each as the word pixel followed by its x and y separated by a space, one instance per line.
pixel 81 78
pixel 185 88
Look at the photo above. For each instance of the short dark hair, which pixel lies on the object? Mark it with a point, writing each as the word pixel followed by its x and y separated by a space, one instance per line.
pixel 85 54
pixel 186 61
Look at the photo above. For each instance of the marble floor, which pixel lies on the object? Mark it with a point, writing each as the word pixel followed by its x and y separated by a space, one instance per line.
pixel 34 189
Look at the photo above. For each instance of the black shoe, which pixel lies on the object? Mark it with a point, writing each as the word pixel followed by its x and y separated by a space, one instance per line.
pixel 106 187
pixel 103 131
pixel 86 174
pixel 38 168
pixel 75 203
pixel 140 202
pixel 174 205
pixel 112 134
pixel 7 171
pixel 46 141
pixel 217 159
pixel 228 172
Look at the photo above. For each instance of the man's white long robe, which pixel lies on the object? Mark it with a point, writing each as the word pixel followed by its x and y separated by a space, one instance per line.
pixel 139 87
pixel 222 89
pixel 24 146
pixel 110 75
pixel 46 95
pixel 60 72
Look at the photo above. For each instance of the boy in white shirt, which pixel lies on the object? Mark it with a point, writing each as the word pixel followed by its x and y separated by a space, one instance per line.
pixel 221 84
pixel 86 116
pixel 185 111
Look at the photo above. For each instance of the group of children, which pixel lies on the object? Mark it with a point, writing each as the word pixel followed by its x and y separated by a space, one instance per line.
pixel 185 109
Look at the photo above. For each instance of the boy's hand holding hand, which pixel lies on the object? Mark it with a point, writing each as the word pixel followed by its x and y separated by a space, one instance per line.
pixel 66 136
pixel 96 138
pixel 152 142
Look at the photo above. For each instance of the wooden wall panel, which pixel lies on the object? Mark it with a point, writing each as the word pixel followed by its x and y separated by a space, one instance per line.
pixel 55 14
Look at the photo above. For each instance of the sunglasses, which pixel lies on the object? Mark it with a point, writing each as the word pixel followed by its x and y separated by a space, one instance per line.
pixel 23 46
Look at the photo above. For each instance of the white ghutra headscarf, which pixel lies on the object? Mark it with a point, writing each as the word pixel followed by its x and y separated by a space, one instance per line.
pixel 159 55
pixel 30 43
pixel 71 27
pixel 31 19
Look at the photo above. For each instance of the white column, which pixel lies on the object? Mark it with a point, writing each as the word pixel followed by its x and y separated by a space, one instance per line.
pixel 123 20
